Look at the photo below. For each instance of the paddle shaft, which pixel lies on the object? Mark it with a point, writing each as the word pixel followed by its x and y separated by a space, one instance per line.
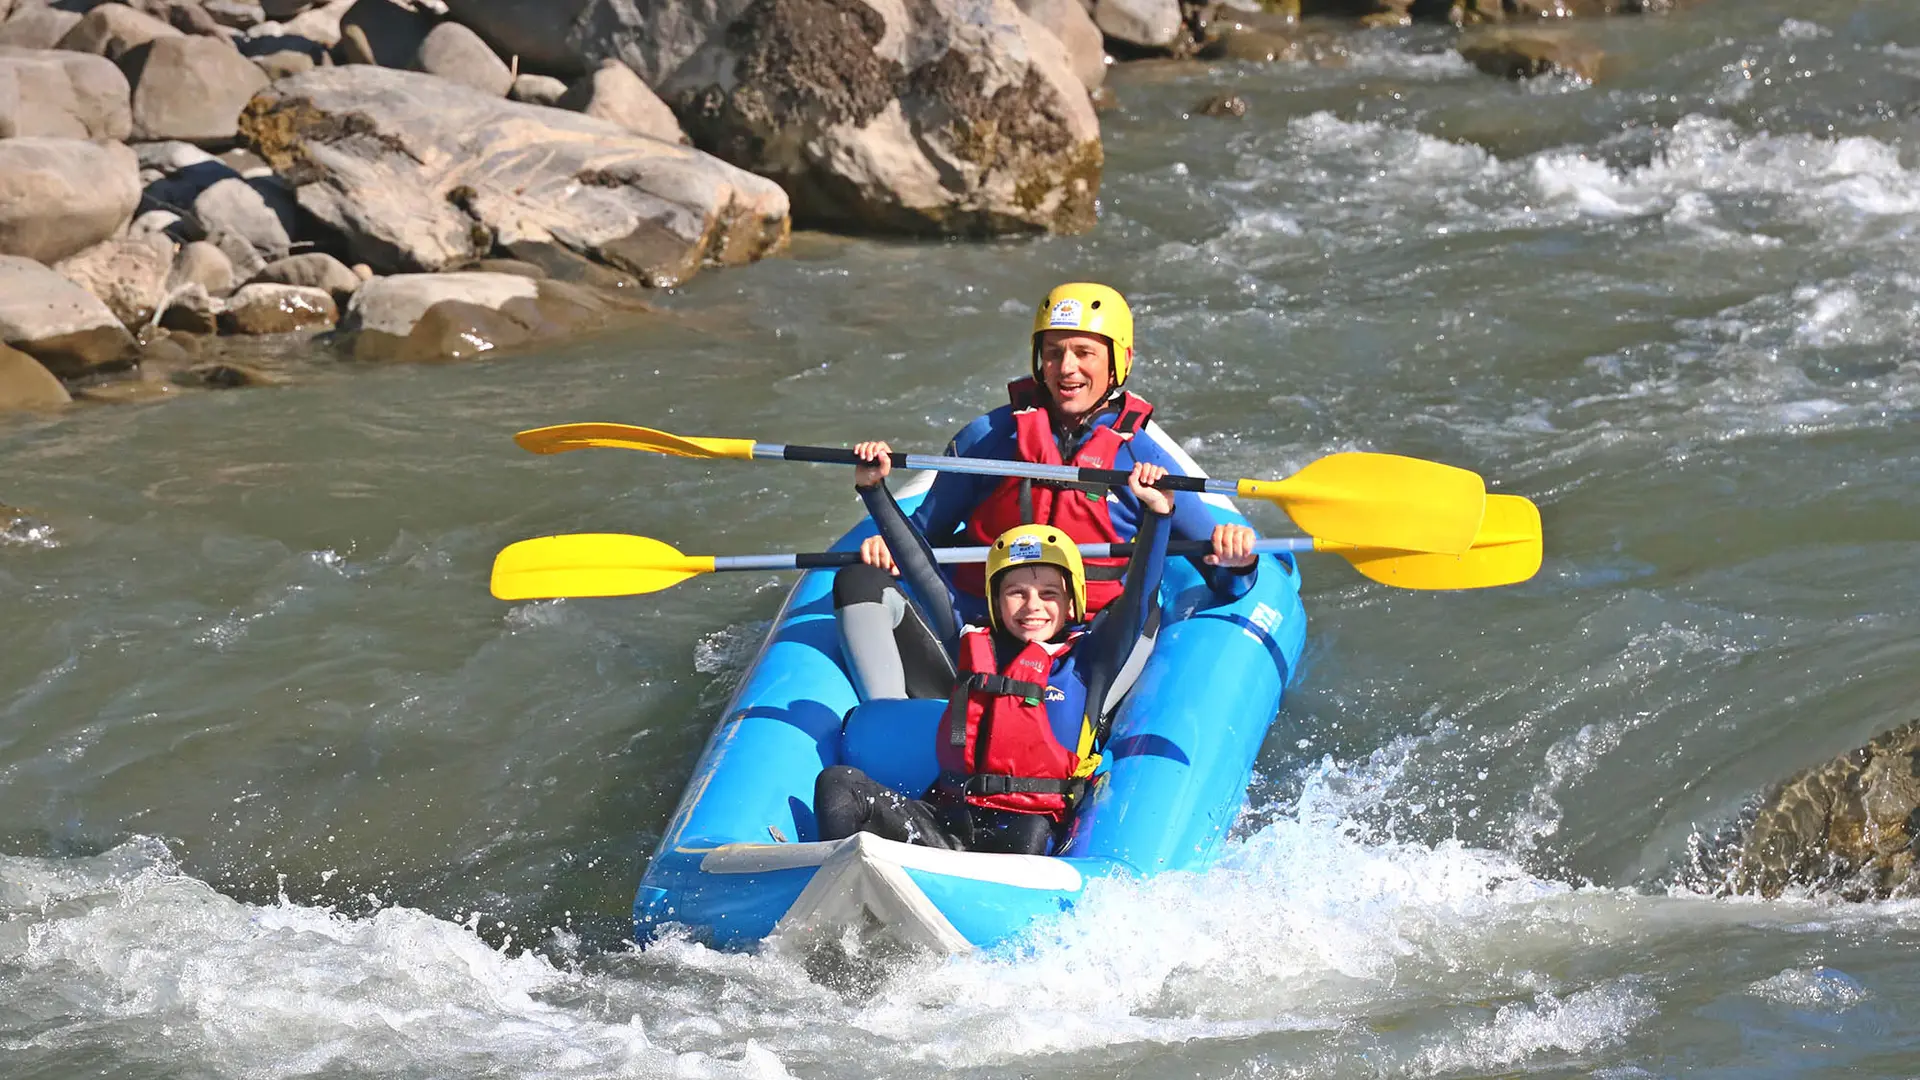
pixel 1071 474
pixel 819 560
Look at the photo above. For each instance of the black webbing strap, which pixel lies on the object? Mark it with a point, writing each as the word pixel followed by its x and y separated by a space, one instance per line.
pixel 1005 687
pixel 995 784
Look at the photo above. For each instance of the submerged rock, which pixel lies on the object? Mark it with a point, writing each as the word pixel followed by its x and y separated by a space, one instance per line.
pixel 273 308
pixel 26 384
pixel 1848 828
pixel 415 317
pixel 417 174
pixel 1513 54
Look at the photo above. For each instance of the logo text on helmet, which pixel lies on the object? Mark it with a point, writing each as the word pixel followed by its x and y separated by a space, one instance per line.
pixel 1065 313
pixel 1024 549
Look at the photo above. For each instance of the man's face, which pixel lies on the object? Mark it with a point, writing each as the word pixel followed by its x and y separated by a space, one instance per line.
pixel 1034 602
pixel 1077 368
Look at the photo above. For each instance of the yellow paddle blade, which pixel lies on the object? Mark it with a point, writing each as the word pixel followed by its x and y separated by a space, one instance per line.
pixel 560 438
pixel 1507 550
pixel 1380 501
pixel 591 564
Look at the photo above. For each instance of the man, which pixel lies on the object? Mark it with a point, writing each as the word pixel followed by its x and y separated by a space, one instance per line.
pixel 1030 688
pixel 1072 409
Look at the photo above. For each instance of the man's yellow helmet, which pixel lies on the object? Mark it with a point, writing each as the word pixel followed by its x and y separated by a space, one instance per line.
pixel 1095 309
pixel 1037 545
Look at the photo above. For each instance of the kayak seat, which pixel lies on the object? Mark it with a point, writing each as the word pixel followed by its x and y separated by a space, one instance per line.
pixel 893 742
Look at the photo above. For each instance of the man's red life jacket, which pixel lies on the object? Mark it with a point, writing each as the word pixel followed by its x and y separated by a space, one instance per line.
pixel 1078 510
pixel 997 745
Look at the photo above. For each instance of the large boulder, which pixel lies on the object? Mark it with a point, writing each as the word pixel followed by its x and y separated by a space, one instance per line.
pixel 418 174
pixel 128 273
pixel 1849 827
pixel 62 196
pixel 452 51
pixel 252 221
pixel 613 92
pixel 58 323
pixel 113 30
pixel 391 32
pixel 1069 21
pixel 271 308
pixel 1141 24
pixel 25 383
pixel 63 94
pixel 411 317
pixel 190 88
pixel 313 270
pixel 941 117
pixel 37 26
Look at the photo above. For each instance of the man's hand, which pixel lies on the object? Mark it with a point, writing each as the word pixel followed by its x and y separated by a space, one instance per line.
pixel 1152 498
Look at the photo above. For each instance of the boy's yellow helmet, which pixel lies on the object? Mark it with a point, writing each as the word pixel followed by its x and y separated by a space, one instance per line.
pixel 1095 309
pixel 1031 545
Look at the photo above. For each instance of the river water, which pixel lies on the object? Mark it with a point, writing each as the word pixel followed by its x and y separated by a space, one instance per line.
pixel 285 793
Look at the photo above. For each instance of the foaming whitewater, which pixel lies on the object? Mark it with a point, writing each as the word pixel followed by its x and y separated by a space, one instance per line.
pixel 124 951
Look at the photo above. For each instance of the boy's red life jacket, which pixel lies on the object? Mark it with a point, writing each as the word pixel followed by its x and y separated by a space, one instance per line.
pixel 997 746
pixel 1078 510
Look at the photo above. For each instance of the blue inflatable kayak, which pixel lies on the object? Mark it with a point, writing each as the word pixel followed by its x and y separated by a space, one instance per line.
pixel 740 861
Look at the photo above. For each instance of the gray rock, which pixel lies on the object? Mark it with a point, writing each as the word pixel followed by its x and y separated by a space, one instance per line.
pixel 268 308
pixel 155 223
pixel 547 37
pixel 1526 55
pixel 614 93
pixel 285 62
pixel 170 156
pixel 238 14
pixel 113 30
pixel 538 90
pixel 129 274
pixel 394 32
pixel 26 384
pixel 282 10
pixel 314 270
pixel 252 221
pixel 1148 24
pixel 63 94
pixel 62 196
pixel 943 117
pixel 1069 21
pixel 412 317
pixel 454 52
pixel 203 265
pixel 191 311
pixel 189 17
pixel 58 323
pixel 190 88
pixel 320 25
pixel 37 27
pixel 428 174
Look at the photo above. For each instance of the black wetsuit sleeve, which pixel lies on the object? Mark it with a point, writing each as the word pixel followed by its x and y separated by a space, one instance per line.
pixel 1121 622
pixel 914 557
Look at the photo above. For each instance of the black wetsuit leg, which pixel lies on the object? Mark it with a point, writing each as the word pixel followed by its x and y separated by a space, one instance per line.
pixel 890 650
pixel 847 801
pixel 1007 832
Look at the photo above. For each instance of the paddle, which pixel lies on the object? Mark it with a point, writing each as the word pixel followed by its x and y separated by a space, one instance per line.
pixel 1507 550
pixel 1374 500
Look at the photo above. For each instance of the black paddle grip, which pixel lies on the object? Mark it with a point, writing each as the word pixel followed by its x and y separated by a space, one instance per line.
pixel 824 455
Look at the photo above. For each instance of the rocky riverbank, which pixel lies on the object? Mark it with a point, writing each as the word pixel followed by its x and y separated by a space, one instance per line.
pixel 418 179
